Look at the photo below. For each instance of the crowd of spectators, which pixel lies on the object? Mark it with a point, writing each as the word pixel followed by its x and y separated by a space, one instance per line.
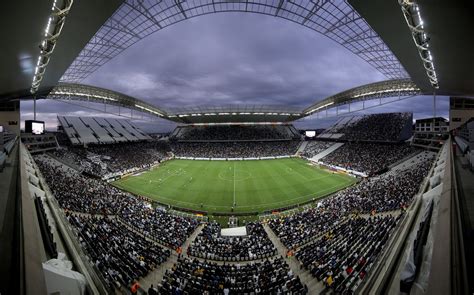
pixel 130 155
pixel 333 240
pixel 209 244
pixel 79 193
pixel 298 229
pixel 192 276
pixel 235 132
pixel 251 149
pixel 315 147
pixel 368 158
pixel 120 255
pixel 74 157
pixel 169 230
pixel 376 127
pixel 388 192
pixel 109 159
pixel 343 256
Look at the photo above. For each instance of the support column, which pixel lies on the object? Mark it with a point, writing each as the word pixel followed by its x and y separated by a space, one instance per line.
pixel 434 110
pixel 34 108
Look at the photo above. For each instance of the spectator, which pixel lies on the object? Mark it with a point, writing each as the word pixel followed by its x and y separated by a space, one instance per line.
pixel 369 158
pixel 211 245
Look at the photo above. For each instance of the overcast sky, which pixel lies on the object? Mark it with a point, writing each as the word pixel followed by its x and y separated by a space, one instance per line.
pixel 233 58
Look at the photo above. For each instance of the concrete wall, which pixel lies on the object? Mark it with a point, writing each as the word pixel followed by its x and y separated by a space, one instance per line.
pixel 10 117
pixel 464 115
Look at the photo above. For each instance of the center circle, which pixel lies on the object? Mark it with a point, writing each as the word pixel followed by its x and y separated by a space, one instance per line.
pixel 237 175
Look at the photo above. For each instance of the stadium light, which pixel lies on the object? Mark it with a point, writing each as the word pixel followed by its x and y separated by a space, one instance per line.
pixel 411 12
pixel 51 34
pixel 148 110
pixel 385 91
pixel 320 107
pixel 81 94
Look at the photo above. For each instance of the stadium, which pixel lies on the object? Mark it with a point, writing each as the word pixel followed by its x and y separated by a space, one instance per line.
pixel 237 147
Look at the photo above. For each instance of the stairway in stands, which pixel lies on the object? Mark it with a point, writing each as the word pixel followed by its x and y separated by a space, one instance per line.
pixel 327 151
pixel 302 147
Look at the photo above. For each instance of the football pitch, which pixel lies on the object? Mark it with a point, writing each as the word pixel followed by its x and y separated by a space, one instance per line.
pixel 249 186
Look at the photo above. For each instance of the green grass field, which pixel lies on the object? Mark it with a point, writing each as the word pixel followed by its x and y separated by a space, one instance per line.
pixel 254 186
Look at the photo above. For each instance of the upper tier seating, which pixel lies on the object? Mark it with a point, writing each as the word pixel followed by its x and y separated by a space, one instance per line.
pixel 251 149
pixel 235 133
pixel 89 130
pixel 368 158
pixel 391 127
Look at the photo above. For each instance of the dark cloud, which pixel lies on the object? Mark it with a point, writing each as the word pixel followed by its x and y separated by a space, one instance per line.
pixel 229 59
pixel 234 59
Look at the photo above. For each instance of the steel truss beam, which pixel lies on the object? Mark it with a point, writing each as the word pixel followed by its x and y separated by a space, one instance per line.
pixel 389 88
pixel 116 25
pixel 317 5
pixel 138 6
pixel 80 92
pixel 348 18
pixel 137 19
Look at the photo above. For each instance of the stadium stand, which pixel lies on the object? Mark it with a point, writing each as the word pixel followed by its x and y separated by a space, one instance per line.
pixel 37 143
pixel 335 224
pixel 89 130
pixel 343 256
pixel 169 230
pixel 298 229
pixel 251 149
pixel 211 245
pixel 392 127
pixel 368 158
pixel 127 156
pixel 235 133
pixel 79 193
pixel 195 276
pixel 121 255
pixel 315 147
pixel 388 192
pixel 109 160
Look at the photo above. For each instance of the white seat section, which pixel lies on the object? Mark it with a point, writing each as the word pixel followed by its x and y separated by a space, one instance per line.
pixel 337 135
pixel 103 135
pixel 137 131
pixel 327 151
pixel 85 134
pixel 106 125
pixel 86 130
pixel 70 132
pixel 120 129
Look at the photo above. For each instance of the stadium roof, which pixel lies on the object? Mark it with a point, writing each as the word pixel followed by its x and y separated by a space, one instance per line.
pixel 191 115
pixel 232 113
pixel 23 24
pixel 97 31
pixel 71 91
pixel 389 88
pixel 448 26
pixel 135 20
